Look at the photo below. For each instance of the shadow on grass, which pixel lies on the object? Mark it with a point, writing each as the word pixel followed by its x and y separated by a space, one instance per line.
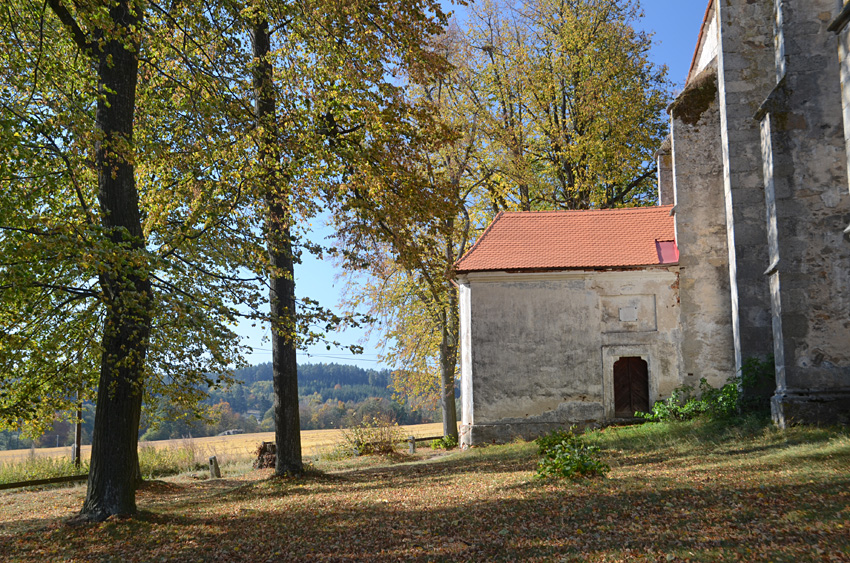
pixel 588 523
pixel 473 514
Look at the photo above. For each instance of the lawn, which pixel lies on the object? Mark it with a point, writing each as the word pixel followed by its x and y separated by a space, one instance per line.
pixel 682 492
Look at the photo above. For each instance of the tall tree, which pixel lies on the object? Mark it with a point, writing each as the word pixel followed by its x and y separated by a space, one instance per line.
pixel 281 264
pixel 124 279
pixel 574 107
pixel 408 246
pixel 132 147
pixel 555 105
pixel 324 83
pixel 118 222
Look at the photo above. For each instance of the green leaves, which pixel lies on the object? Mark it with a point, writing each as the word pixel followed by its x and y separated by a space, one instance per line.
pixel 572 107
pixel 565 455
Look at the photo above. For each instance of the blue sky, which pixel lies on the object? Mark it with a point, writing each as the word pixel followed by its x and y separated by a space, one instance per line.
pixel 675 25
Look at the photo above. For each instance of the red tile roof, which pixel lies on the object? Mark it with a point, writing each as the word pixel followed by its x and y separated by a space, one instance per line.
pixel 555 240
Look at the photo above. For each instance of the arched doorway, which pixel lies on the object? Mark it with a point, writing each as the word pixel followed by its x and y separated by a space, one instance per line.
pixel 631 386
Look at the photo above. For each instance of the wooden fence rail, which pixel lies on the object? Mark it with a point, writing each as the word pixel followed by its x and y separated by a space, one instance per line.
pixel 410 440
pixel 51 481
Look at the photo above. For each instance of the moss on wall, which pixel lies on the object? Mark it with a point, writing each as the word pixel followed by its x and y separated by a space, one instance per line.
pixel 697 97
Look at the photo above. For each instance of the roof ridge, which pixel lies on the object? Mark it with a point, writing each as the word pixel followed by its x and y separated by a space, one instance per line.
pixel 640 209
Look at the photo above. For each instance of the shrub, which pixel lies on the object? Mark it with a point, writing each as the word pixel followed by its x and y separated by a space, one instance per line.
pixel 564 455
pixel 375 436
pixel 444 443
pixel 743 394
pixel 552 439
pixel 758 380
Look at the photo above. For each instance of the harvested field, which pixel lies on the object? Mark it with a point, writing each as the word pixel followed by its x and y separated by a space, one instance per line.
pixel 312 443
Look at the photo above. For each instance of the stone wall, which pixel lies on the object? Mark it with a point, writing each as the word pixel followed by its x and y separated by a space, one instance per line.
pixel 707 344
pixel 808 204
pixel 745 77
pixel 664 164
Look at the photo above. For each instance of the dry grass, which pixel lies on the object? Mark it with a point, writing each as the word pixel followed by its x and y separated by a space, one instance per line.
pixel 312 443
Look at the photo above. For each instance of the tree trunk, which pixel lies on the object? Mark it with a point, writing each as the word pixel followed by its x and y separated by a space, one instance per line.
pixel 524 197
pixel 282 276
pixel 124 281
pixel 448 361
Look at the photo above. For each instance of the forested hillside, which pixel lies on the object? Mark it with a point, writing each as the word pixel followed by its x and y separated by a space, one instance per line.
pixel 330 396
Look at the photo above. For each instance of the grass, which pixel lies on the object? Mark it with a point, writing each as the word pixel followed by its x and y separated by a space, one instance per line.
pixel 39 468
pixel 676 492
pixel 171 457
pixel 312 442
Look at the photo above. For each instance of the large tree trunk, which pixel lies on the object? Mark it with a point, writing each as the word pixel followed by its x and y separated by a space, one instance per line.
pixel 282 276
pixel 124 281
pixel 448 361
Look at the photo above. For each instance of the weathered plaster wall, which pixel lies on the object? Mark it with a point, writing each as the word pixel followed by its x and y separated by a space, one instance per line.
pixel 745 77
pixel 806 189
pixel 538 343
pixel 707 343
pixel 709 40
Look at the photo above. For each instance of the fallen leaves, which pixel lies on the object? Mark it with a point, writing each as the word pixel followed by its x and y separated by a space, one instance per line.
pixel 482 505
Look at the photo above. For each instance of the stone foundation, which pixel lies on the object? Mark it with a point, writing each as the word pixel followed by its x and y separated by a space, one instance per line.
pixel 502 433
pixel 824 408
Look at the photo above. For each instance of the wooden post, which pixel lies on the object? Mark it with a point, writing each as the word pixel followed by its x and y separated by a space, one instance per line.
pixel 411 440
pixel 215 472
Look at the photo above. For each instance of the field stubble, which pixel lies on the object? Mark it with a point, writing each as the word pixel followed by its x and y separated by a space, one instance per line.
pixel 313 442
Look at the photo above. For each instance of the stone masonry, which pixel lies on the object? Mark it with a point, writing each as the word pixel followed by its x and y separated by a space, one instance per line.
pixel 766 111
pixel 745 77
pixel 707 345
pixel 781 91
pixel 808 208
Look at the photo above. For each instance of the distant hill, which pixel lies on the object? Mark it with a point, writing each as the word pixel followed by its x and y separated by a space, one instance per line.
pixel 330 396
pixel 324 374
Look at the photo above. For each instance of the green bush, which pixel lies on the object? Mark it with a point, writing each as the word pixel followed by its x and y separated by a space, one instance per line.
pixel 683 405
pixel 552 439
pixel 564 455
pixel 744 394
pixel 375 436
pixel 444 443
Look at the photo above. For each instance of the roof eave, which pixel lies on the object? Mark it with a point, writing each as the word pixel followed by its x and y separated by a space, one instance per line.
pixel 567 269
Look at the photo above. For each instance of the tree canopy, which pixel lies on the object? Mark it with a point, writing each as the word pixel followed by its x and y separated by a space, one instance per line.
pixel 574 108
pixel 135 228
pixel 550 104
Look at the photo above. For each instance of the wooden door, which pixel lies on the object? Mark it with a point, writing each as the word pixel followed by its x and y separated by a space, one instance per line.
pixel 631 386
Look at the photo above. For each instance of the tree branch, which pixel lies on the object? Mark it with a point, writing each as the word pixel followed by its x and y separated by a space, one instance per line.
pixel 68 20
